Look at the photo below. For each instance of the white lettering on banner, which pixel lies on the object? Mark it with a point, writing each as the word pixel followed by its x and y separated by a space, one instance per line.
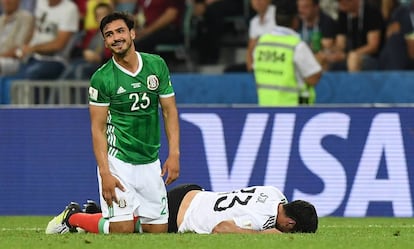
pixel 213 137
pixel 383 144
pixel 321 162
pixel 385 138
pixel 279 151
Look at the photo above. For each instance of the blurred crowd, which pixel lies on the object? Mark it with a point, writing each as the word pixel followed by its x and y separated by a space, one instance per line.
pixel 60 39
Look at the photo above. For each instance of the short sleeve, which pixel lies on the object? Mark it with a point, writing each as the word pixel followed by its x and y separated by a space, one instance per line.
pixel 305 61
pixel 166 89
pixel 97 91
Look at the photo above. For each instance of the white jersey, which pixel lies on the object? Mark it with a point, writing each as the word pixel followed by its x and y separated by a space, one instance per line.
pixel 251 208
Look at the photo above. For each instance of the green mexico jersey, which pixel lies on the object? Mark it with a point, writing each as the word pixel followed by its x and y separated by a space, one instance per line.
pixel 133 125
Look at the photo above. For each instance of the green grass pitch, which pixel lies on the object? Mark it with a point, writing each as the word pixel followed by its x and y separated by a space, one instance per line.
pixel 379 233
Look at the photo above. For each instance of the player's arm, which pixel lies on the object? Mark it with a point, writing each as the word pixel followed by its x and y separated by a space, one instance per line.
pixel 172 130
pixel 98 115
pixel 229 226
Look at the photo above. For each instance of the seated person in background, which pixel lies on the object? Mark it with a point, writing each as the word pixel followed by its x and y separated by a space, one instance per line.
pixel 285 69
pixel 47 53
pixel 88 20
pixel 125 5
pixel 211 28
pixel 359 38
pixel 16 28
pixel 386 7
pixel 398 52
pixel 256 209
pixel 28 5
pixel 316 28
pixel 329 7
pixel 94 54
pixel 263 22
pixel 163 24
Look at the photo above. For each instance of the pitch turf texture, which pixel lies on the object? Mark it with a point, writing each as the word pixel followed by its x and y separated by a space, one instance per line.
pixel 380 233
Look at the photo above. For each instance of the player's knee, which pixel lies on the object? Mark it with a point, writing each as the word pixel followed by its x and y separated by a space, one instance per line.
pixel 155 228
pixel 122 227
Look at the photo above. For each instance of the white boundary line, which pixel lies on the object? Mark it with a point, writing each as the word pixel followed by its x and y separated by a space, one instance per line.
pixel 5 229
pixel 369 226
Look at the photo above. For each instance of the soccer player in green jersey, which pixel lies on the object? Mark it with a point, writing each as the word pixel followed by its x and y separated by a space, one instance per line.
pixel 125 94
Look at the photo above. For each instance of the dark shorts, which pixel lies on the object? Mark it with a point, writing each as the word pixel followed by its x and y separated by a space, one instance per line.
pixel 175 197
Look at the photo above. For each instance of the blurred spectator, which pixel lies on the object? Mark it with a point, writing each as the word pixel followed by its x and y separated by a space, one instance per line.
pixel 163 24
pixel 386 7
pixel 48 51
pixel 87 13
pixel 263 22
pixel 82 9
pixel 285 68
pixel 212 14
pixel 28 5
pixel 317 29
pixel 16 27
pixel 89 24
pixel 330 7
pixel 398 52
pixel 125 5
pixel 359 39
pixel 94 54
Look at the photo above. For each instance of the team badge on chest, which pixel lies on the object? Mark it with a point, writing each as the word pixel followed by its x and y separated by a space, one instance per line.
pixel 152 82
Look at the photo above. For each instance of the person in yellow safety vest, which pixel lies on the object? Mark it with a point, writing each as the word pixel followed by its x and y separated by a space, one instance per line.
pixel 285 68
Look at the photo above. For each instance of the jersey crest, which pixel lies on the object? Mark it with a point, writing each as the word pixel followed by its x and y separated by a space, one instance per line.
pixel 152 82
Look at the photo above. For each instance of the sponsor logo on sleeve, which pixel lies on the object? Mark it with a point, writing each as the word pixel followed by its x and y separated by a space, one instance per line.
pixel 93 93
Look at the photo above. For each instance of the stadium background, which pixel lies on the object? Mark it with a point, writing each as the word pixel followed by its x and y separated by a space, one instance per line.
pixel 350 160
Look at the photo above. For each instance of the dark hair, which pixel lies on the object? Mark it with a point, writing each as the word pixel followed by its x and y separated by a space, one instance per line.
pixel 304 214
pixel 286 12
pixel 128 19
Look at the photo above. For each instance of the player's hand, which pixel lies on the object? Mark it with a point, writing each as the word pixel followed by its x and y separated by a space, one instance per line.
pixel 109 183
pixel 171 167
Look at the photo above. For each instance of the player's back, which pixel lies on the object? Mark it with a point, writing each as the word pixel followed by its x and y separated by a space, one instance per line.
pixel 253 208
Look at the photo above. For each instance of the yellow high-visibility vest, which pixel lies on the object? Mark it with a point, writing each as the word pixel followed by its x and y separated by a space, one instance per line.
pixel 274 72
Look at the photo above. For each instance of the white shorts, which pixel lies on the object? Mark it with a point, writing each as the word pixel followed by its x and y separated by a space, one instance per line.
pixel 145 193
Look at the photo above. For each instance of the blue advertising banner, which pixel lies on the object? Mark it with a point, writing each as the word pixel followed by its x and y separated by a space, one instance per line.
pixel 352 162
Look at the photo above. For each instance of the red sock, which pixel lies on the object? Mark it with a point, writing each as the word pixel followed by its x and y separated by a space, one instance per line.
pixel 89 222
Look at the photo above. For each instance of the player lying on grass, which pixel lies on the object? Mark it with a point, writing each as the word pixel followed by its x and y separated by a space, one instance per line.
pixel 257 209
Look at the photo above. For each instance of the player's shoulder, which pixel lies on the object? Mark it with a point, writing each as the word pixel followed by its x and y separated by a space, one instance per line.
pixel 268 188
pixel 104 71
pixel 151 58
